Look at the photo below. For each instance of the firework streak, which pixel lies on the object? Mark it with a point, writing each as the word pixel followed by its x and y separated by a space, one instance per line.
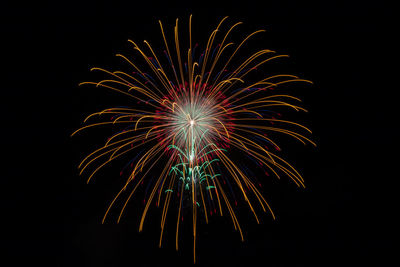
pixel 192 110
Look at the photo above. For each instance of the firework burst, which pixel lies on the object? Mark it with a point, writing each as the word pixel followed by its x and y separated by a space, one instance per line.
pixel 191 109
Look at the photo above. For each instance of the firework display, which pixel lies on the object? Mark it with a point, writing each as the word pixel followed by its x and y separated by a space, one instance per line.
pixel 198 120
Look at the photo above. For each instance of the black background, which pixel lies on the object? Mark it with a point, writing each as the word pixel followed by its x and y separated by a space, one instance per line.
pixel 344 217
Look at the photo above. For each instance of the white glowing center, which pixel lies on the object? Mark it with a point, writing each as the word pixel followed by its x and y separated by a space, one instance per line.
pixel 191 122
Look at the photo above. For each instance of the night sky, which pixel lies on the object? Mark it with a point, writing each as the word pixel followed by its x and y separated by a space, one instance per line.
pixel 344 217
